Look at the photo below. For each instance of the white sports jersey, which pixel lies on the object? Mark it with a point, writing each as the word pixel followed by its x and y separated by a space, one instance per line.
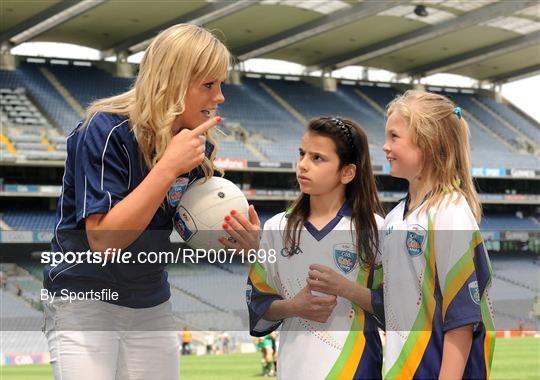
pixel 437 277
pixel 347 344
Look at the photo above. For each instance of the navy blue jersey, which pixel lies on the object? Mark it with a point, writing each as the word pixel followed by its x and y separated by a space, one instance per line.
pixel 103 166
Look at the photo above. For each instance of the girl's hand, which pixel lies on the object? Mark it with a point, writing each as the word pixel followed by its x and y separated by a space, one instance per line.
pixel 186 150
pixel 313 308
pixel 244 234
pixel 326 280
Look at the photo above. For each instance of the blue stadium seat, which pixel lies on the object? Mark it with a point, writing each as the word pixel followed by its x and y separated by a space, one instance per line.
pixel 514 118
pixel 258 112
pixel 87 84
pixel 30 220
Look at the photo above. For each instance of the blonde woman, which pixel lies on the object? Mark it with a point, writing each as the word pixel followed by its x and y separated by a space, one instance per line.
pixel 128 163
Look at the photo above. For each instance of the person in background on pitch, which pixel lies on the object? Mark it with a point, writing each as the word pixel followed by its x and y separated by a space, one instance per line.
pixel 187 338
pixel 329 234
pixel 128 161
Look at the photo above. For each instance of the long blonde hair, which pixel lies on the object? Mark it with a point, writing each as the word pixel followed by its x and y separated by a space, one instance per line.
pixel 443 137
pixel 178 56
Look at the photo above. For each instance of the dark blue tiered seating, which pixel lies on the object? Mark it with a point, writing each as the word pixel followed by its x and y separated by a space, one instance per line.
pixel 234 149
pixel 261 115
pixel 467 102
pixel 380 95
pixel 506 222
pixel 515 119
pixel 257 111
pixel 88 84
pixel 29 77
pixel 30 220
pixel 50 100
pixel 313 102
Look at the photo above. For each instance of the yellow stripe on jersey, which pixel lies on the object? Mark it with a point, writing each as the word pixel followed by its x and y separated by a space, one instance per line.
pixel 358 349
pixel 459 274
pixel 415 346
pixel 415 357
pixel 347 363
pixel 257 276
pixel 488 354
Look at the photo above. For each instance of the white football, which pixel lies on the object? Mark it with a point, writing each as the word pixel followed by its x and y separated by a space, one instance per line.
pixel 199 217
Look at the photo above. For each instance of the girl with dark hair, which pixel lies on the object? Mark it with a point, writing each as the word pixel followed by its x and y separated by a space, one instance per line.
pixel 329 234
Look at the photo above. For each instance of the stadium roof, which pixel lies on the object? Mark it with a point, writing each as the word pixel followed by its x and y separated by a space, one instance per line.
pixel 486 40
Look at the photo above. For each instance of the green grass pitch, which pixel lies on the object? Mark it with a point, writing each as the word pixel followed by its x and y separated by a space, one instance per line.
pixel 516 358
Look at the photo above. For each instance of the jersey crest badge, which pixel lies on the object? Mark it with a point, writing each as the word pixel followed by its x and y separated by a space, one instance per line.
pixel 416 238
pixel 345 257
pixel 474 292
pixel 176 191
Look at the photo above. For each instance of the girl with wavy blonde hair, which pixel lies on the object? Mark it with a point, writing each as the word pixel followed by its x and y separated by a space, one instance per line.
pixel 436 270
pixel 441 133
pixel 128 163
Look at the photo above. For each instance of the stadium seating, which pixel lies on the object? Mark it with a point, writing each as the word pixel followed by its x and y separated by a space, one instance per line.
pixel 519 271
pixel 23 342
pixel 234 149
pixel 47 96
pixel 507 222
pixel 468 102
pixel 44 220
pixel 382 95
pixel 285 150
pixel 30 220
pixel 312 102
pixel 20 325
pixel 211 284
pixel 272 129
pixel 96 83
pixel 257 111
pixel 511 116
pixel 208 297
pixel 514 285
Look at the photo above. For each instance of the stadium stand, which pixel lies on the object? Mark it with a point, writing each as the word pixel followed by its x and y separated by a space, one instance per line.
pixel 382 95
pixel 29 220
pixel 211 297
pixel 28 76
pixel 269 127
pixel 507 222
pixel 23 341
pixel 519 271
pixel 26 132
pixel 97 83
pixel 44 221
pixel 234 149
pixel 312 102
pixel 515 283
pixel 467 102
pixel 20 324
pixel 208 296
pixel 212 284
pixel 257 111
pixel 512 117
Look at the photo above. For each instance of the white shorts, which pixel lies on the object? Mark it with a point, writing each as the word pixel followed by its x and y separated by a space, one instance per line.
pixel 95 340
